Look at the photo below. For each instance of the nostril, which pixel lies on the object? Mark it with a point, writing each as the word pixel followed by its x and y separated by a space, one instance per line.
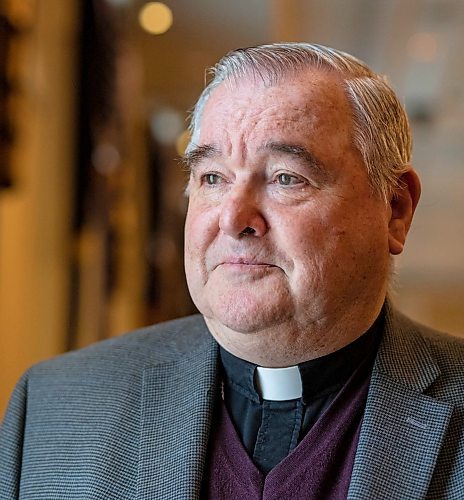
pixel 248 230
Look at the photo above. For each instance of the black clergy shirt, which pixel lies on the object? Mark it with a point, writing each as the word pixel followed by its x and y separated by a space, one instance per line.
pixel 269 430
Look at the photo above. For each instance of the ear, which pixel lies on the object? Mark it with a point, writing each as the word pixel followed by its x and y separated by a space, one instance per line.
pixel 403 204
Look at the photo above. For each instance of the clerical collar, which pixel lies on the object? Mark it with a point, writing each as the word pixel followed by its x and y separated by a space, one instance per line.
pixel 278 384
pixel 309 380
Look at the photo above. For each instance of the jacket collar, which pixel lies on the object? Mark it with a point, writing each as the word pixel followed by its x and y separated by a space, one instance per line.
pixel 403 428
pixel 177 406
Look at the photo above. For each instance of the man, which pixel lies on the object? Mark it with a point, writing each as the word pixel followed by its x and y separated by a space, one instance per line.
pixel 298 380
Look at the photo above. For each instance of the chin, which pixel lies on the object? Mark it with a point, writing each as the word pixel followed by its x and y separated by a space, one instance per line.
pixel 246 318
pixel 241 325
pixel 245 309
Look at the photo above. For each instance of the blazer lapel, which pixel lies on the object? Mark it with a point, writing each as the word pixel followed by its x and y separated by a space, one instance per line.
pixel 403 428
pixel 177 406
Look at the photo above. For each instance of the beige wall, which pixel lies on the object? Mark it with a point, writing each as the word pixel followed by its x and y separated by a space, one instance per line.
pixel 35 213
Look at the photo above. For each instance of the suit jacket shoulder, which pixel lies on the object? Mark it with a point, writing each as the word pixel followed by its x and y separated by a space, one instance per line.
pixel 80 425
pixel 159 343
pixel 422 357
pixel 412 438
pixel 448 352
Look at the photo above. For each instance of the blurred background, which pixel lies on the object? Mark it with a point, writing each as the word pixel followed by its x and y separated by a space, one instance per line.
pixel 94 97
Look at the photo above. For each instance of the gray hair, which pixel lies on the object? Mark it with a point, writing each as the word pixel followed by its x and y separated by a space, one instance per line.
pixel 380 125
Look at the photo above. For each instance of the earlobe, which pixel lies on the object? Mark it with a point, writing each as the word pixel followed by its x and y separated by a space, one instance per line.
pixel 403 204
pixel 396 237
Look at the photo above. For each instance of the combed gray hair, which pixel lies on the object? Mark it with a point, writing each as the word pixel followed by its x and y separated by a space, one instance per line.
pixel 380 126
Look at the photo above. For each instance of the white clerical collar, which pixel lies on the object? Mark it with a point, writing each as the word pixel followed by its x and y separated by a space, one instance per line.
pixel 279 384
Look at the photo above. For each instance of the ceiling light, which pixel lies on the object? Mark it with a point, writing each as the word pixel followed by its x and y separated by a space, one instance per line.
pixel 155 18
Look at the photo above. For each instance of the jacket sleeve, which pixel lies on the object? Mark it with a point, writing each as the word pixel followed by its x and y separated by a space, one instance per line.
pixel 11 442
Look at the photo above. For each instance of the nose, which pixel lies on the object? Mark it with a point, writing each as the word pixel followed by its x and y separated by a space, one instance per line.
pixel 240 214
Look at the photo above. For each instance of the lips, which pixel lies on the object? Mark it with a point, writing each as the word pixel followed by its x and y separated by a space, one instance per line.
pixel 243 264
pixel 241 258
pixel 244 261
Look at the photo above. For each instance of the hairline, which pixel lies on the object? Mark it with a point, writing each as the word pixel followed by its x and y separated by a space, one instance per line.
pixel 357 80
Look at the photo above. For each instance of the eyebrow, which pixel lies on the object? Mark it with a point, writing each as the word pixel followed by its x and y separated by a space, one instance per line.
pixel 199 153
pixel 297 151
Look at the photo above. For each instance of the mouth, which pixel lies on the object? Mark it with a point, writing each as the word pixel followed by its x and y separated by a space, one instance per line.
pixel 244 264
pixel 243 261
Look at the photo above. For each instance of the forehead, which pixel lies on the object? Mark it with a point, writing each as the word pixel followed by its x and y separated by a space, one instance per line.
pixel 312 103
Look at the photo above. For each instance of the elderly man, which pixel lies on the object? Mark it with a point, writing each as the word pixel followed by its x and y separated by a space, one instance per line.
pixel 298 380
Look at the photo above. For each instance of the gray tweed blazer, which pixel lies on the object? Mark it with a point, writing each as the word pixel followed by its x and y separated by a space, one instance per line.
pixel 129 418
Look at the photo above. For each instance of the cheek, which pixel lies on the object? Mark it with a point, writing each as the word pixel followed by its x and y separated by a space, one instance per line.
pixel 200 229
pixel 324 246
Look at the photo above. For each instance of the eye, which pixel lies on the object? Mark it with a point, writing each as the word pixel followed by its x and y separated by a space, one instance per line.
pixel 211 179
pixel 288 180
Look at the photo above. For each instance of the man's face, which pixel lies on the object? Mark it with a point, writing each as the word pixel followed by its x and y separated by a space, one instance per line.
pixel 280 160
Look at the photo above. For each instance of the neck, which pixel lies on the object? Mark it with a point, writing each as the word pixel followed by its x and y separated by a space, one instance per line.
pixel 288 345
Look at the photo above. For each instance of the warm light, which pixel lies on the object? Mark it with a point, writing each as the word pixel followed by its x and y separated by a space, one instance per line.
pixel 106 158
pixel 182 142
pixel 155 17
pixel 423 46
pixel 166 124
